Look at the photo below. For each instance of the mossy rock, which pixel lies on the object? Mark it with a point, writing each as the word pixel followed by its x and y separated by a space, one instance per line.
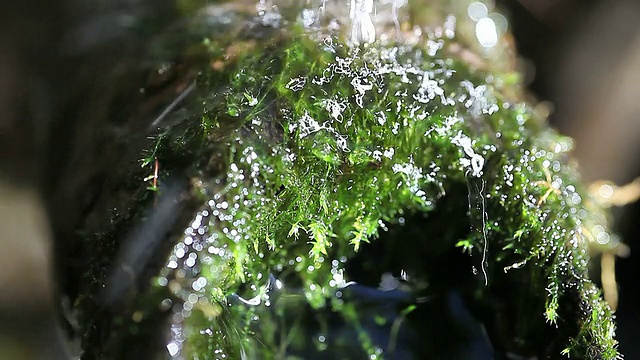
pixel 314 164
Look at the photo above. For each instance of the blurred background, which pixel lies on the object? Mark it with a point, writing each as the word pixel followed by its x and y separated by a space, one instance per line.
pixel 583 56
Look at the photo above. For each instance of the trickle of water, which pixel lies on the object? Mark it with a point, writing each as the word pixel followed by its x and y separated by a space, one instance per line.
pixel 475 162
pixel 362 28
pixel 478 215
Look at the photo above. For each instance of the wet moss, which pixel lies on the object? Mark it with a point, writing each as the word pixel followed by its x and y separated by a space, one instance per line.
pixel 309 151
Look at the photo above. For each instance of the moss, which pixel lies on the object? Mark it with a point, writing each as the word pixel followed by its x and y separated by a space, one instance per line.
pixel 310 151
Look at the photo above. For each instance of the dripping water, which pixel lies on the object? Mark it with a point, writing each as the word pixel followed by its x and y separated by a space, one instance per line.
pixel 362 27
pixel 478 217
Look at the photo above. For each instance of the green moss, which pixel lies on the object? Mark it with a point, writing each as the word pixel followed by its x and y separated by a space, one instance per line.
pixel 309 149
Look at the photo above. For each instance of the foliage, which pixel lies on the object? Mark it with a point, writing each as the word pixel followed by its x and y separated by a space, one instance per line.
pixel 308 149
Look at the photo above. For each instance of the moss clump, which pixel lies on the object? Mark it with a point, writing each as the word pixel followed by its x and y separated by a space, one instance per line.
pixel 310 150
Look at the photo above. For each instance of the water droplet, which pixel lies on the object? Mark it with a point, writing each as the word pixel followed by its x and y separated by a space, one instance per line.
pixel 477 10
pixel 486 32
pixel 173 349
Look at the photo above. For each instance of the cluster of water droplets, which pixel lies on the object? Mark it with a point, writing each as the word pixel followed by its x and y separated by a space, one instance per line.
pixel 415 82
pixel 560 223
pixel 405 99
pixel 370 71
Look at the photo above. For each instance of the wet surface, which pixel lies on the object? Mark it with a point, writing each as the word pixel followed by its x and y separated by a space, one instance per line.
pixel 288 173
